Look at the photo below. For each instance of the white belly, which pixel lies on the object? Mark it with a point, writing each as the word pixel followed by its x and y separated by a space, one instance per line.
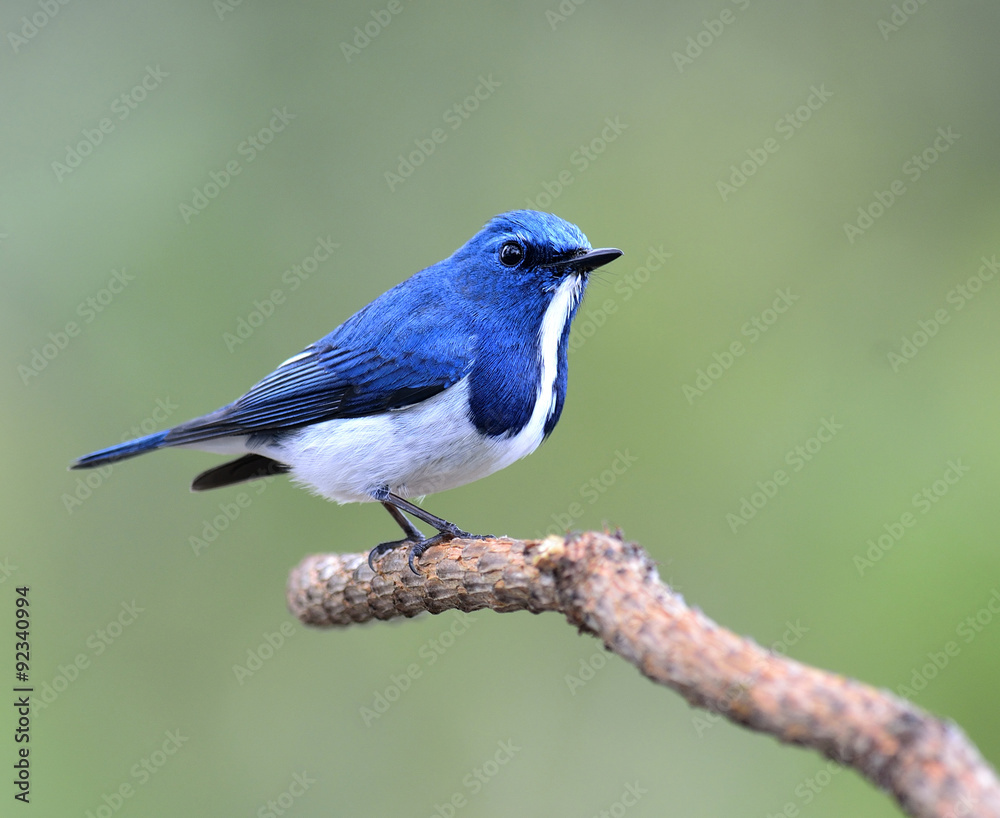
pixel 419 450
pixel 431 446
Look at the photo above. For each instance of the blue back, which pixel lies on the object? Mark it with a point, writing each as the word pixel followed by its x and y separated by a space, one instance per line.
pixel 466 315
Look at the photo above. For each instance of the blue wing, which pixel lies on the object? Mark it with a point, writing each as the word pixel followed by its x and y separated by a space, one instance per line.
pixel 382 358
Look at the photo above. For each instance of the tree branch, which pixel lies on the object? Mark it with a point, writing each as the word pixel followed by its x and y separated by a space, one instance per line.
pixel 611 589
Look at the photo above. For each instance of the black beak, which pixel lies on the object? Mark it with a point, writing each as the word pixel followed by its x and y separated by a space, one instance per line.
pixel 592 259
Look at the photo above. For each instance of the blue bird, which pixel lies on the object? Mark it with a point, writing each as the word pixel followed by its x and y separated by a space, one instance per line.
pixel 446 378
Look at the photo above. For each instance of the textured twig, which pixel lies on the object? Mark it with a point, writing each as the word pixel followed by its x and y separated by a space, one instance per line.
pixel 611 589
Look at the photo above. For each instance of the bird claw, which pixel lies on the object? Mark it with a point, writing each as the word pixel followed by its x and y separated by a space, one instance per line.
pixel 418 548
pixel 415 551
pixel 381 550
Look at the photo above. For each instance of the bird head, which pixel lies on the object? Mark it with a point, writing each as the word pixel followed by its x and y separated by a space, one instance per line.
pixel 528 254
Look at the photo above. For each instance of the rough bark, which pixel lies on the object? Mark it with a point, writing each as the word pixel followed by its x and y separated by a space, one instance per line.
pixel 611 589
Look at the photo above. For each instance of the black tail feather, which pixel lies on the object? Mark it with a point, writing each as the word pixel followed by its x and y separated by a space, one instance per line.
pixel 248 467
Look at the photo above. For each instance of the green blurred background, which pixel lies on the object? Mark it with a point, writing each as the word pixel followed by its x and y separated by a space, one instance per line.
pixel 623 118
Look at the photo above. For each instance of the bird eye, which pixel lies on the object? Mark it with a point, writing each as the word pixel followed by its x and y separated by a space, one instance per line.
pixel 511 254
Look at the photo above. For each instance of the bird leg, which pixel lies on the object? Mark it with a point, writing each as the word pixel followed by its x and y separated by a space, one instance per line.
pixel 396 505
